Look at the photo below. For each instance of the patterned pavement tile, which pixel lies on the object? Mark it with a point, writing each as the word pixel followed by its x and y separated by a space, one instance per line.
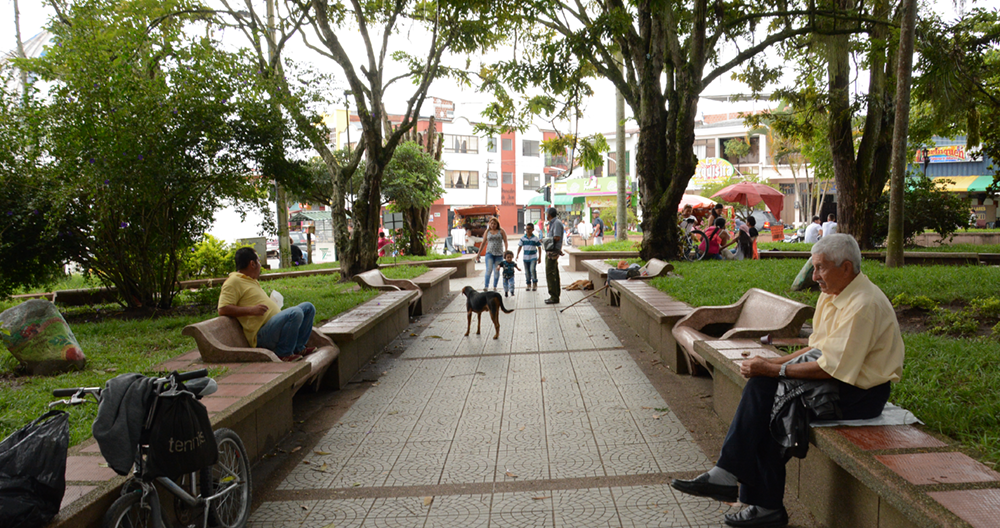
pixel 339 513
pixel 585 508
pixel 525 464
pixel 452 511
pixel 524 509
pixel 281 514
pixel 397 512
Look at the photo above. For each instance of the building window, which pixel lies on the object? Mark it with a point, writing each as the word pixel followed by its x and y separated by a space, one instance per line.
pixel 461 144
pixel 491 179
pixel 507 144
pixel 529 148
pixel 508 178
pixel 491 144
pixel 786 188
pixel 532 181
pixel 461 179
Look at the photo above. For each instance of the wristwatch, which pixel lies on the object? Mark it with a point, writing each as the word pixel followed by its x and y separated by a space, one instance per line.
pixel 781 371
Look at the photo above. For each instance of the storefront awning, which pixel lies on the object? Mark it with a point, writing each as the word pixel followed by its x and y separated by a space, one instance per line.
pixel 559 199
pixel 966 183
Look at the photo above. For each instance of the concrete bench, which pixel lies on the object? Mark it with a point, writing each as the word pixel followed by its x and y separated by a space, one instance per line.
pixel 597 271
pixel 221 340
pixel 254 399
pixel 363 331
pixel 757 313
pixel 891 476
pixel 434 285
pixel 464 265
pixel 652 314
pixel 375 280
pixel 578 257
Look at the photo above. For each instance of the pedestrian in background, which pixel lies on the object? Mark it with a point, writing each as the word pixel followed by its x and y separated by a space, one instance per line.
pixel 553 251
pixel 493 247
pixel 530 244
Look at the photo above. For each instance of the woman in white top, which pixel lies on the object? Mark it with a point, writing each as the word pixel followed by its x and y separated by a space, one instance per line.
pixel 494 245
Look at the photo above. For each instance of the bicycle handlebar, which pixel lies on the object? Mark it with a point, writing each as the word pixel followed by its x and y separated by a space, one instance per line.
pixel 200 373
pixel 183 376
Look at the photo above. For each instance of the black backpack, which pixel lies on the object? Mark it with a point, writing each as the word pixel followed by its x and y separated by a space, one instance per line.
pixel 180 439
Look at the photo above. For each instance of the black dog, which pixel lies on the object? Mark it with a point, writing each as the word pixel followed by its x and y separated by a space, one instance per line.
pixel 477 302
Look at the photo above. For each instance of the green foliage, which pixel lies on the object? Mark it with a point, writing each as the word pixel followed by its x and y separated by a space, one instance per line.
pixel 926 205
pixel 947 322
pixel 149 128
pixel 609 215
pixel 412 178
pixel 737 148
pixel 986 308
pixel 921 302
pixel 209 258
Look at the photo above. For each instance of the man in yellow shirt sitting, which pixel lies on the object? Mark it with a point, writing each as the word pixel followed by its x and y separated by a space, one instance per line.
pixel 855 346
pixel 285 332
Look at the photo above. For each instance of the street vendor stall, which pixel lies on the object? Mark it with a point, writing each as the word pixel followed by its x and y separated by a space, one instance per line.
pixel 475 220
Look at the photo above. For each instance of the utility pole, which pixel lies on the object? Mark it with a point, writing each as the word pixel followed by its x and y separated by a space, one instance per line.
pixel 894 243
pixel 621 218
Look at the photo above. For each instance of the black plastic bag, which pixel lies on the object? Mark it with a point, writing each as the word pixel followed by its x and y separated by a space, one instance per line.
pixel 181 438
pixel 33 471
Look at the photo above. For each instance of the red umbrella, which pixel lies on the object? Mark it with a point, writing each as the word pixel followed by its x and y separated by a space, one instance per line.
pixel 751 194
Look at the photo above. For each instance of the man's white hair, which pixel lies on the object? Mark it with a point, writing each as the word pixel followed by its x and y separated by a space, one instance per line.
pixel 838 248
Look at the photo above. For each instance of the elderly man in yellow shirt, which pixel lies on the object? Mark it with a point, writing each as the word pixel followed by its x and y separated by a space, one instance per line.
pixel 285 332
pixel 855 346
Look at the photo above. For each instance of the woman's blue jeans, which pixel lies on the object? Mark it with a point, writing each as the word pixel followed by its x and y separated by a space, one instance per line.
pixel 492 261
pixel 531 271
pixel 288 331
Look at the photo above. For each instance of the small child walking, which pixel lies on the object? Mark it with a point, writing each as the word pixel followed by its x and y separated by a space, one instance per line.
pixel 507 266
pixel 530 244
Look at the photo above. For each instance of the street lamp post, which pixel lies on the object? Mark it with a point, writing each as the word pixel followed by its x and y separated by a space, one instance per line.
pixel 347 118
pixel 927 160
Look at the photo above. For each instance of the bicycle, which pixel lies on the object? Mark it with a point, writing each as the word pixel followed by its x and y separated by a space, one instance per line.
pixel 219 494
pixel 691 247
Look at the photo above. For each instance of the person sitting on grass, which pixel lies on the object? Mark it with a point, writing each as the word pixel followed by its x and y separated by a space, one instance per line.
pixel 855 352
pixel 284 332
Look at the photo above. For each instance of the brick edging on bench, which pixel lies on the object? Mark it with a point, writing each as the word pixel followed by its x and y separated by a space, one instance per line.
pixel 577 257
pixel 858 476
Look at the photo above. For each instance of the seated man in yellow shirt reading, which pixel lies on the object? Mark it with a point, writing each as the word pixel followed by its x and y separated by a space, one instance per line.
pixel 855 350
pixel 285 332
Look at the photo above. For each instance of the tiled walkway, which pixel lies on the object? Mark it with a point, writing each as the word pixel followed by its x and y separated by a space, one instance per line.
pixel 553 424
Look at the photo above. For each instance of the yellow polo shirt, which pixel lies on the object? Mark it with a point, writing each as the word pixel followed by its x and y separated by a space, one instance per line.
pixel 858 334
pixel 241 290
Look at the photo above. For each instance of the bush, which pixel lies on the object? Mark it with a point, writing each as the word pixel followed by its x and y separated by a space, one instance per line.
pixel 920 302
pixel 210 258
pixel 926 206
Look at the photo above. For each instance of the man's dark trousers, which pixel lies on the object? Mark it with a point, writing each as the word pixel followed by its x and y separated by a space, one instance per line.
pixel 552 276
pixel 755 458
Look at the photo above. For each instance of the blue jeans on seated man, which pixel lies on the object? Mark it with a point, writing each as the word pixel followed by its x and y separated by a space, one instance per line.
pixel 531 271
pixel 492 261
pixel 288 331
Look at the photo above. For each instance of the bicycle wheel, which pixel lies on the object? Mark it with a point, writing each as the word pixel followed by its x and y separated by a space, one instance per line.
pixel 692 246
pixel 129 512
pixel 231 480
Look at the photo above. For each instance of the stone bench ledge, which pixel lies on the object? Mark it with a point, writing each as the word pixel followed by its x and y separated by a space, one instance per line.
pixel 350 325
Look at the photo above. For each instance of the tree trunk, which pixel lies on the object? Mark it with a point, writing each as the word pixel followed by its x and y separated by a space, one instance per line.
pixel 362 252
pixel 659 230
pixel 894 249
pixel 621 214
pixel 416 224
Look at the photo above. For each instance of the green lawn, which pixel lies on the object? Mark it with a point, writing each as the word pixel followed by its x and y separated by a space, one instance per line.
pixel 115 345
pixel 616 245
pixel 952 384
pixel 949 248
pixel 381 260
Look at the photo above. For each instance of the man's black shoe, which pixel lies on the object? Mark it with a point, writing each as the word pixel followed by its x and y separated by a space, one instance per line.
pixel 701 487
pixel 550 300
pixel 750 517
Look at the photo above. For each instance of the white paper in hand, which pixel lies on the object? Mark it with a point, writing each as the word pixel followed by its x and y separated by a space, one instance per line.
pixel 277 298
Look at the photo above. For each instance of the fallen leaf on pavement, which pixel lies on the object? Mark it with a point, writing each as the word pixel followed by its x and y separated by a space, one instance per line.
pixel 304 507
pixel 648 408
pixel 618 367
pixel 521 429
pixel 428 501
pixel 511 474
pixel 543 380
pixel 390 413
pixel 296 448
pixel 540 498
pixel 305 461
pixel 321 453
